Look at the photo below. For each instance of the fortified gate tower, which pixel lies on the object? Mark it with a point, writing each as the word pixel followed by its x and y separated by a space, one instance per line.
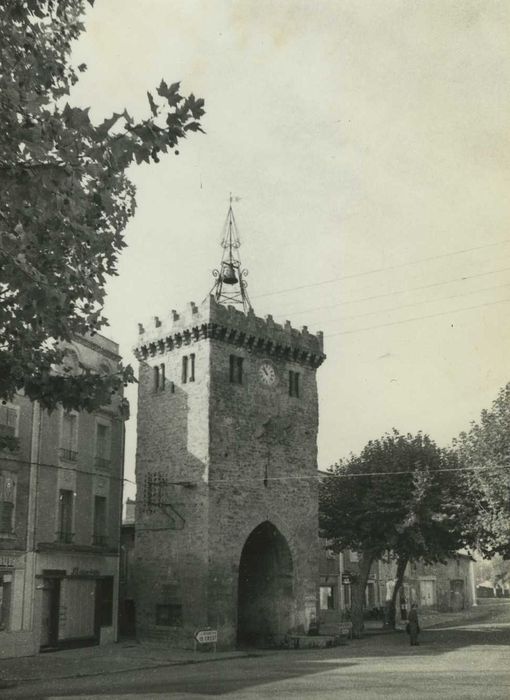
pixel 226 470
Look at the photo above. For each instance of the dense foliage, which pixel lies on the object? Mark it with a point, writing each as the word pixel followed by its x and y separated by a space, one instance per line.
pixel 486 450
pixel 65 200
pixel 402 496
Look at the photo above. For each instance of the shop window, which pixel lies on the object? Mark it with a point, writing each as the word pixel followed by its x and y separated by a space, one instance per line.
pixel 236 369
pixel 65 516
pixel 5 600
pixel 103 446
pixel 8 421
pixel 327 597
pixel 99 535
pixel 294 389
pixel 7 502
pixel 104 593
pixel 169 615
pixel 69 437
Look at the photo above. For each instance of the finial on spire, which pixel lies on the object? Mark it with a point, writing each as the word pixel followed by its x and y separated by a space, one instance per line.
pixel 230 285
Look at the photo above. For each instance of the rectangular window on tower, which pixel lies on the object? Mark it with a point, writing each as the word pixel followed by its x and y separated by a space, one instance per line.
pixel 188 368
pixel 236 369
pixel 159 377
pixel 294 389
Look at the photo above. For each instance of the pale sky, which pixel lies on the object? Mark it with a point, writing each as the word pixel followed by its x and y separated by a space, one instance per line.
pixel 360 136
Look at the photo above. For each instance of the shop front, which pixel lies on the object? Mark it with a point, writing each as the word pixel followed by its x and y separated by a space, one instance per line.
pixel 76 601
pixel 16 638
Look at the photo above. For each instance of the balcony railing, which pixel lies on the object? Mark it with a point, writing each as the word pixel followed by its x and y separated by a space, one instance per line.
pixel 65 537
pixel 69 455
pixel 102 463
pixel 99 540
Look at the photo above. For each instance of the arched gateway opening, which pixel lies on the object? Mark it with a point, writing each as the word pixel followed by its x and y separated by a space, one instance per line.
pixel 265 595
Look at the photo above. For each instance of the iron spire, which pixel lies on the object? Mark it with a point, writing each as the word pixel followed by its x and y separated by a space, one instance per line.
pixel 230 285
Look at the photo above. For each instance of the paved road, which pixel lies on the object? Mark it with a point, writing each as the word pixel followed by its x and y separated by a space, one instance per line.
pixel 461 661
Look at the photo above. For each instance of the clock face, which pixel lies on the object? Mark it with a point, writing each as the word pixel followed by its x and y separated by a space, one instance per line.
pixel 267 375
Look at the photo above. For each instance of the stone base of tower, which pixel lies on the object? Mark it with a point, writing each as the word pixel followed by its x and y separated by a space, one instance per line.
pixel 257 585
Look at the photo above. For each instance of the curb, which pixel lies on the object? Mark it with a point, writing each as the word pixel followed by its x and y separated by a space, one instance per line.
pixel 12 682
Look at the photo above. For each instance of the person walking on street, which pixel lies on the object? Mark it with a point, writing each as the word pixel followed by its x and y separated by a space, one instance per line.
pixel 413 626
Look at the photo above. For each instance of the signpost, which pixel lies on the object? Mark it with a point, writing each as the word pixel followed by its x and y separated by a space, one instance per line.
pixel 206 636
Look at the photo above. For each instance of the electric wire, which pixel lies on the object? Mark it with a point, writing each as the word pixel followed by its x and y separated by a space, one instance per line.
pixel 230 480
pixel 383 269
pixel 398 291
pixel 416 303
pixel 418 318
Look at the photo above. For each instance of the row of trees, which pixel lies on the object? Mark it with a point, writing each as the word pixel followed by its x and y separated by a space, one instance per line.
pixel 66 199
pixel 405 497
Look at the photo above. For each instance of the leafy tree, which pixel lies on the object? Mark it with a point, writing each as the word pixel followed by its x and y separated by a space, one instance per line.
pixel 65 200
pixel 486 449
pixel 402 496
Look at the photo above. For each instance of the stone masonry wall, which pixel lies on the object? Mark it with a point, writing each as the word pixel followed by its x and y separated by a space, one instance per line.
pixel 229 456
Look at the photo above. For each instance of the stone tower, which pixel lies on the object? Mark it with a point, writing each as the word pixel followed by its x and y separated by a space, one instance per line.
pixel 226 524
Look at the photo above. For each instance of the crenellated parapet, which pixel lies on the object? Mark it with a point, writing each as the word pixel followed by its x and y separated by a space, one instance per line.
pixel 227 324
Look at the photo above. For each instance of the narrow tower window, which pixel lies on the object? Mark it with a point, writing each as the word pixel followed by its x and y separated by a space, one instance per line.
pixel 162 376
pixel 184 369
pixel 294 383
pixel 192 367
pixel 156 378
pixel 236 369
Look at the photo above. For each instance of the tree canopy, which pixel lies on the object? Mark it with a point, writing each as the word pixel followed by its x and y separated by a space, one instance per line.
pixel 485 448
pixel 65 199
pixel 403 496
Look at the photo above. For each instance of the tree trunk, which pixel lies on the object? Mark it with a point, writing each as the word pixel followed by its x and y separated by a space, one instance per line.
pixel 392 613
pixel 358 594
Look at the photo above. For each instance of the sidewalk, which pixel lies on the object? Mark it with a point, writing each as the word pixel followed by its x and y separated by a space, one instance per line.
pixel 99 660
pixel 132 656
pixel 435 618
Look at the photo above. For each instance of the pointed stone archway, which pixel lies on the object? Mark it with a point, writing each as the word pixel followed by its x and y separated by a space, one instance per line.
pixel 265 590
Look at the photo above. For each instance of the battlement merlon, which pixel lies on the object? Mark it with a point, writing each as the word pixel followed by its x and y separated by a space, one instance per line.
pixel 231 325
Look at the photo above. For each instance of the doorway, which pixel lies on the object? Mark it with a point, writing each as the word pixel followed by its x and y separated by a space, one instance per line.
pixel 265 593
pixel 457 601
pixel 50 610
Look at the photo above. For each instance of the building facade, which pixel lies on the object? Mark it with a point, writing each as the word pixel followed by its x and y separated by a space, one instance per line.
pixel 226 471
pixel 447 586
pixel 60 509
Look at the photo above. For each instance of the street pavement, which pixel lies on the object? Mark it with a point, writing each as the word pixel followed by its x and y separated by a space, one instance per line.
pixel 461 656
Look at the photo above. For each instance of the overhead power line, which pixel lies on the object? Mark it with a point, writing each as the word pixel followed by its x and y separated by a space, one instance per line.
pixel 261 478
pixel 383 269
pixel 418 318
pixel 416 303
pixel 399 291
